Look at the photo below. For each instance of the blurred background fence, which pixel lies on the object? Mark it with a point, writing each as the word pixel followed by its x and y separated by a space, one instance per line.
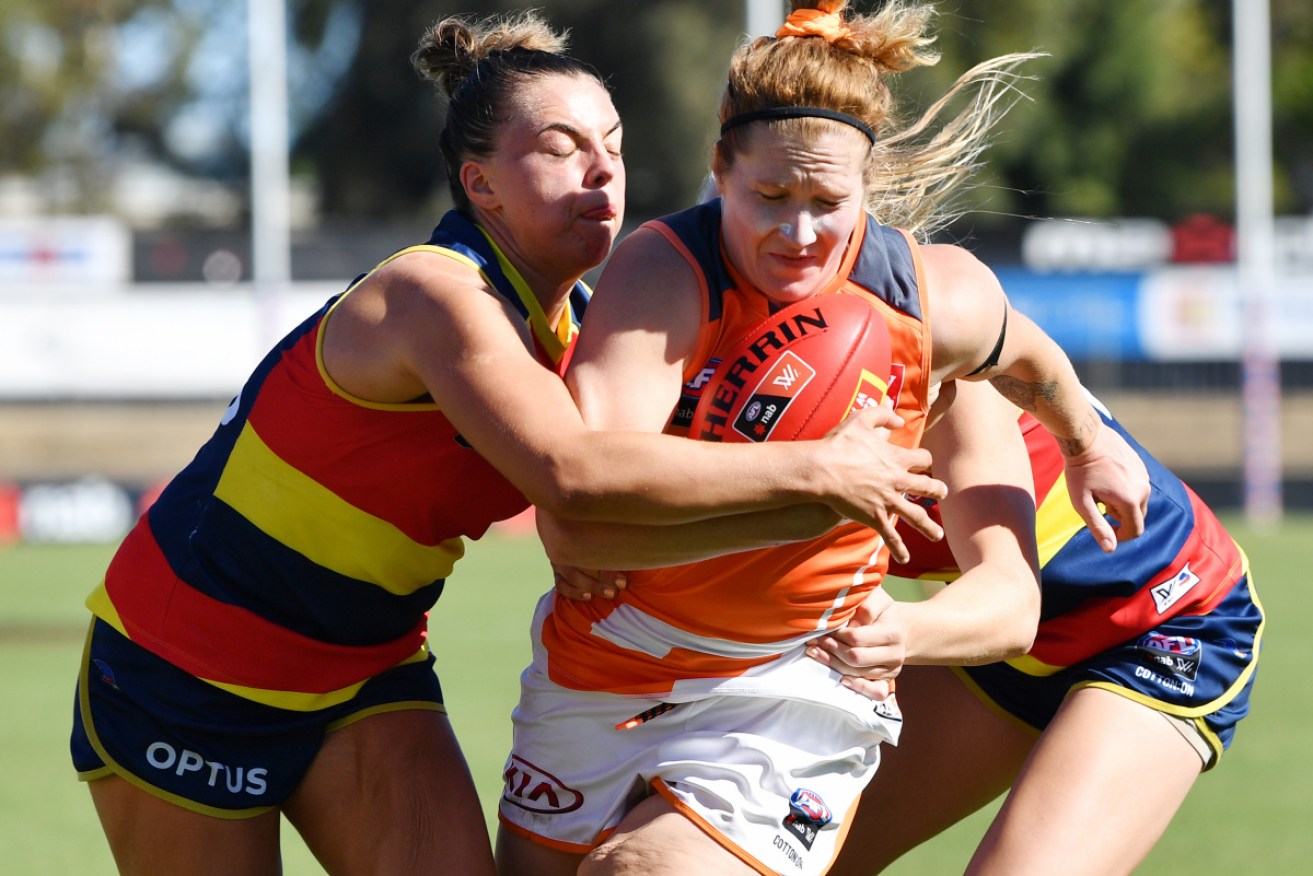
pixel 132 304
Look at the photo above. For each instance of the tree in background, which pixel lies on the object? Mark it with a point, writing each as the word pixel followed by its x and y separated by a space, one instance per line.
pixel 375 148
pixel 92 88
pixel 62 97
pixel 1130 113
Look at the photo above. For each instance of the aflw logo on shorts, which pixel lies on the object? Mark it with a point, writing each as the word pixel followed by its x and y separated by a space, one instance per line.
pixel 1179 654
pixel 536 790
pixel 807 815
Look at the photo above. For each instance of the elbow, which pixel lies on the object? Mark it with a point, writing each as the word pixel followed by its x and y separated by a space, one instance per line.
pixel 1011 640
pixel 549 489
pixel 1024 625
pixel 1021 641
pixel 552 500
pixel 553 532
pixel 568 543
pixel 568 491
pixel 1016 615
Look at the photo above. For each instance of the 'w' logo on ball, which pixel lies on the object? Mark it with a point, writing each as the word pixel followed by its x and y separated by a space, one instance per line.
pixel 787 377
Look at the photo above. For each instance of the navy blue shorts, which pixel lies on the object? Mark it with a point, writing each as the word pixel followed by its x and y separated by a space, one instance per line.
pixel 198 746
pixel 1197 667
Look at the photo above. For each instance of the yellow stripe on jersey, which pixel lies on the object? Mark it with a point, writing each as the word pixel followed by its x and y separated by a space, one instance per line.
pixel 319 341
pixel 1056 521
pixel 1029 665
pixel 99 604
pixel 103 607
pixel 554 341
pixel 298 701
pixel 293 509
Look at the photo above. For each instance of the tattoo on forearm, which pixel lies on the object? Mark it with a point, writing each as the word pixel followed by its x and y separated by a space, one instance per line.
pixel 1028 397
pixel 1023 394
pixel 1069 446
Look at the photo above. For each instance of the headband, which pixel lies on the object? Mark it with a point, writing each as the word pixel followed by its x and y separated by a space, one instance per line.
pixel 798 112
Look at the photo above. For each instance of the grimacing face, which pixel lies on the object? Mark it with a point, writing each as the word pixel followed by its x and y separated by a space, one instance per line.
pixel 558 177
pixel 790 202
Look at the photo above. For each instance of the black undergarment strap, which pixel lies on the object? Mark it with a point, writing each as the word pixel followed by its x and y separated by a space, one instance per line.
pixel 992 359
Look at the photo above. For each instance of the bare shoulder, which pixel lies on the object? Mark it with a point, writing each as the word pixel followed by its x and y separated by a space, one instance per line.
pixel 377 339
pixel 647 286
pixel 642 326
pixel 951 270
pixel 967 303
pixel 646 247
pixel 645 271
pixel 427 278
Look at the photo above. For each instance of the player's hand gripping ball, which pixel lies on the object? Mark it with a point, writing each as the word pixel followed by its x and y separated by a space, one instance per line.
pixel 797 374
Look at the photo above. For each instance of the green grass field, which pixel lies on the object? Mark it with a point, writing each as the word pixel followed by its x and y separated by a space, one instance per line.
pixel 1251 815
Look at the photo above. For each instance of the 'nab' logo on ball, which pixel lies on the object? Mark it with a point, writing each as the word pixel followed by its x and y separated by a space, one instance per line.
pixel 787 377
pixel 797 374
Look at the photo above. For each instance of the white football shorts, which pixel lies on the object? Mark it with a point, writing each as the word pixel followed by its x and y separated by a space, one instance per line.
pixel 770 767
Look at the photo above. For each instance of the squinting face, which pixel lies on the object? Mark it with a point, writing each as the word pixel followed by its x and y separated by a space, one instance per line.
pixel 790 202
pixel 558 176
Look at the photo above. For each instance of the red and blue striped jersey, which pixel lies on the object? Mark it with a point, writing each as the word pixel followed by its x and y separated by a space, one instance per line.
pixel 297 555
pixel 1185 563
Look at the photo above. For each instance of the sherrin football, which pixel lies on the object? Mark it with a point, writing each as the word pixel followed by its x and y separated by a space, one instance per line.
pixel 797 374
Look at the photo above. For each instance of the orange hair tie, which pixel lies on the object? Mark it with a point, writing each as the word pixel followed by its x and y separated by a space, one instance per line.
pixel 829 26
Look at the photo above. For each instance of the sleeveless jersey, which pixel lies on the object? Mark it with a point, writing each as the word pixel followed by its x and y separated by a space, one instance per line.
pixel 298 554
pixel 1185 563
pixel 719 618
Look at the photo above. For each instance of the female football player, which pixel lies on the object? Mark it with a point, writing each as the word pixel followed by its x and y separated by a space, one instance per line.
pixel 680 727
pixel 1141 668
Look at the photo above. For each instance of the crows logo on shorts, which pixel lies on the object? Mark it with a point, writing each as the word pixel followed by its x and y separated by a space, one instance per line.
pixel 106 674
pixel 807 815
